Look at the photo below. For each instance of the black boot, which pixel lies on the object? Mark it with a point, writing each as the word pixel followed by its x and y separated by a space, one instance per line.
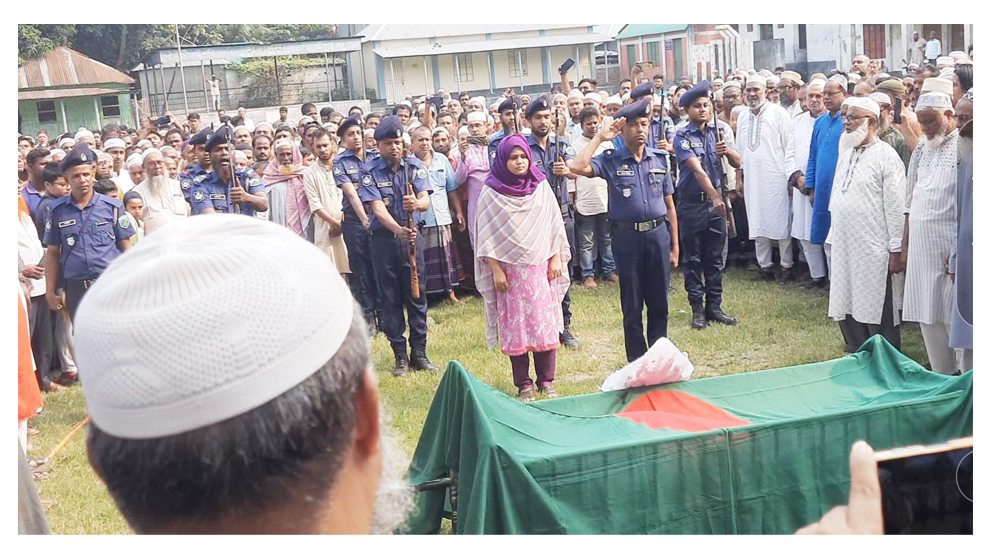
pixel 786 275
pixel 766 274
pixel 715 313
pixel 419 361
pixel 400 362
pixel 698 316
pixel 568 339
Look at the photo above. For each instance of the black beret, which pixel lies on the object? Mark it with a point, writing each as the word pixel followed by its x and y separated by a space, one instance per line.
pixel 222 136
pixel 130 195
pixel 700 90
pixel 540 103
pixel 512 103
pixel 80 155
pixel 389 129
pixel 642 90
pixel 201 137
pixel 635 110
pixel 346 124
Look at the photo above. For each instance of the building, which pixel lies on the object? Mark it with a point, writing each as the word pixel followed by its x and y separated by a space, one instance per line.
pixel 419 59
pixel 679 50
pixel 64 90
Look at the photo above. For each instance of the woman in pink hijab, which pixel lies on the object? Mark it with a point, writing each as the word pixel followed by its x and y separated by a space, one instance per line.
pixel 284 182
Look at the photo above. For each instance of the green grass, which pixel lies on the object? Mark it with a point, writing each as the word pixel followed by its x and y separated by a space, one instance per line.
pixel 778 326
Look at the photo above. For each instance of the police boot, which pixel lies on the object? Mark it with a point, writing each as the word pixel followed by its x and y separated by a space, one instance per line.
pixel 568 339
pixel 698 316
pixel 400 362
pixel 715 313
pixel 419 360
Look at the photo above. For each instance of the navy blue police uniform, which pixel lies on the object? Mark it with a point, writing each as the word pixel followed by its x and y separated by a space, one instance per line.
pixel 544 160
pixel 209 191
pixel 194 171
pixel 391 265
pixel 494 139
pixel 89 238
pixel 641 243
pixel 347 168
pixel 702 228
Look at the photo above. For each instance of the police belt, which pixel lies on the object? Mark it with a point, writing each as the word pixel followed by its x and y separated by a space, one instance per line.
pixel 86 283
pixel 699 196
pixel 640 226
pixel 383 233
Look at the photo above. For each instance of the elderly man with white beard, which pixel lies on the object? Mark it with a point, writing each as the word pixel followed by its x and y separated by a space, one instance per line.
pixel 765 141
pixel 931 230
pixel 163 197
pixel 285 439
pixel 801 204
pixel 867 206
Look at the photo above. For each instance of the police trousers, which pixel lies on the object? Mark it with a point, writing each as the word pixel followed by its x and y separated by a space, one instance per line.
pixel 643 263
pixel 75 290
pixel 41 327
pixel 703 238
pixel 392 271
pixel 361 281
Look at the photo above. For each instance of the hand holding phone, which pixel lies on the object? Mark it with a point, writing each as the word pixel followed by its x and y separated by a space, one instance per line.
pixel 567 65
pixel 862 515
pixel 897 119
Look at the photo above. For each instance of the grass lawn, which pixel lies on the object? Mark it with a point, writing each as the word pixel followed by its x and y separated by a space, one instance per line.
pixel 778 326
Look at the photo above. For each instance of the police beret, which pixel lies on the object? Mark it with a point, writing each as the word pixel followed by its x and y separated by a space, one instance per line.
pixel 635 110
pixel 389 129
pixel 700 90
pixel 201 137
pixel 540 103
pixel 346 124
pixel 641 90
pixel 80 155
pixel 512 103
pixel 222 136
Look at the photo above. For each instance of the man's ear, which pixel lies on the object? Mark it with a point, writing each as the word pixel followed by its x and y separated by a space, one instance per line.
pixel 367 430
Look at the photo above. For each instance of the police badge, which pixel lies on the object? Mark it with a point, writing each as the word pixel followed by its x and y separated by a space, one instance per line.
pixel 685 145
pixel 367 181
pixel 421 174
pixel 198 196
pixel 626 192
pixel 71 240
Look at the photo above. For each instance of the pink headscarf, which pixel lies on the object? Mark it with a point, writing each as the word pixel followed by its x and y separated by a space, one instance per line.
pixel 298 210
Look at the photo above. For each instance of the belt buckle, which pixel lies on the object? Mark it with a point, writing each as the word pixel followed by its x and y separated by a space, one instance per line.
pixel 644 226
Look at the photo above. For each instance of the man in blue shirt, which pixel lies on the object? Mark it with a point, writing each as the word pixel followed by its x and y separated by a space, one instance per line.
pixel 644 222
pixel 700 206
pixel 384 186
pixel 85 232
pixel 823 153
pixel 202 165
pixel 216 192
pixel 32 192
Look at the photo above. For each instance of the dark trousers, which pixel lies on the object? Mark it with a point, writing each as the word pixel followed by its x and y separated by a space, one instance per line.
pixel 362 281
pixel 545 369
pixel 75 290
pixel 855 333
pixel 741 246
pixel 392 271
pixel 703 236
pixel 568 223
pixel 643 263
pixel 41 326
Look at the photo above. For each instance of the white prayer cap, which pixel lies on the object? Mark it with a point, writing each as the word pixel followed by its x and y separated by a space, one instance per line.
pixel 853 77
pixel 772 81
pixel 625 97
pixel 368 132
pixel 134 159
pixel 743 74
pixel 114 143
pixel 144 144
pixel 168 151
pixel 614 100
pixel 575 93
pixel 56 152
pixel 439 129
pixel 944 61
pixel 304 120
pixel 934 100
pixel 476 117
pixel 912 67
pixel 738 109
pixel 240 156
pixel 559 96
pixel 864 104
pixel 757 79
pixel 65 142
pixel 765 73
pixel 166 346
pixel 284 141
pixel 264 125
pixel 839 79
pixel 241 127
pixel 956 55
pixel 671 90
pixel 732 84
pixel 882 99
pixel 82 133
pixel 718 81
pixel 884 75
pixel 604 95
pixel 147 153
pixel 479 99
pixel 463 129
pixel 816 83
pixel 792 76
pixel 493 106
pixel 593 97
pixel 406 138
pixel 938 85
pixel 947 73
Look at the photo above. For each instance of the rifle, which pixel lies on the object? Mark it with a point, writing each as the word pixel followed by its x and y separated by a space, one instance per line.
pixel 412 251
pixel 231 168
pixel 730 218
pixel 556 145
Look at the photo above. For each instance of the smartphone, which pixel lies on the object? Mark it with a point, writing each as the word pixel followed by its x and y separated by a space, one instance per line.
pixel 567 65
pixel 898 111
pixel 435 100
pixel 161 121
pixel 928 489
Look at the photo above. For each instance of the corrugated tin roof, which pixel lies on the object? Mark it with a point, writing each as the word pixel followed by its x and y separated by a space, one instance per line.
pixel 67 92
pixel 640 29
pixel 63 66
pixel 492 45
pixel 392 32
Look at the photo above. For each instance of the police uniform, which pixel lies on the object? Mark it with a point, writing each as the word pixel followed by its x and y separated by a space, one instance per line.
pixel 544 160
pixel 702 227
pixel 187 176
pixel 346 168
pixel 641 244
pixel 391 264
pixel 89 238
pixel 494 139
pixel 209 191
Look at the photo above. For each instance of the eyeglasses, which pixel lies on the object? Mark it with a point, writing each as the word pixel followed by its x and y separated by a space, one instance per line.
pixel 827 94
pixel 785 88
pixel 851 118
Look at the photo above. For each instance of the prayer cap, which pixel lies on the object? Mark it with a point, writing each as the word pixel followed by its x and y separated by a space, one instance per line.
pixel 217 355
pixel 144 144
pixel 114 143
pixel 540 103
pixel 944 61
pixel 242 126
pixel 82 133
pixel 478 99
pixel 641 90
pixel 934 100
pixel 912 66
pixel 367 132
pixel 476 117
pixel 263 125
pixel 853 77
pixel 56 152
pixel 817 83
pixel 700 90
pixel 389 128
pixel 222 136
pixel 938 84
pixel 346 124
pixel 79 155
pixel 65 141
pixel 765 73
pixel 881 98
pixel 201 137
pixel 593 97
pixel 718 81
pixel 148 152
pixel 732 84
pixel 439 129
pixel 772 82
pixel 134 159
pixel 946 73
pixel 635 110
pixel 757 79
pixel 575 93
pixel 956 55
pixel 793 76
pixel 817 76
pixel 865 104
pixel 614 100
pixel 305 119
pixel 512 103
pixel 839 79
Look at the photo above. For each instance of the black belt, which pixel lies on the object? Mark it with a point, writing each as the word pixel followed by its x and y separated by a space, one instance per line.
pixel 700 196
pixel 383 233
pixel 352 218
pixel 86 283
pixel 640 226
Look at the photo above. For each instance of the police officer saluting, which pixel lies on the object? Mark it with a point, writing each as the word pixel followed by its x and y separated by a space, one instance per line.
pixel 84 233
pixel 644 221
pixel 384 186
pixel 550 158
pixel 201 167
pixel 216 192
pixel 700 206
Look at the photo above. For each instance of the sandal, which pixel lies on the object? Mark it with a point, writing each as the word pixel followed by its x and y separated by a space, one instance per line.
pixel 527 395
pixel 549 391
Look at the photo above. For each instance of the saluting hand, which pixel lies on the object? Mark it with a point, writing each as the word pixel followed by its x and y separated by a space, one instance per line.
pixel 613 131
pixel 237 192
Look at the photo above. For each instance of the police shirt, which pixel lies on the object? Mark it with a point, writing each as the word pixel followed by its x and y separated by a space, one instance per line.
pixel 209 191
pixel 346 168
pixel 656 125
pixel 690 142
pixel 492 144
pixel 379 182
pixel 636 190
pixel 88 236
pixel 187 176
pixel 544 160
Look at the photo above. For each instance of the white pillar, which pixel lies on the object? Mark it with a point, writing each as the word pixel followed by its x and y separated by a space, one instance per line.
pixel 459 86
pixel 96 108
pixel 428 88
pixel 183 81
pixel 65 123
pixel 521 74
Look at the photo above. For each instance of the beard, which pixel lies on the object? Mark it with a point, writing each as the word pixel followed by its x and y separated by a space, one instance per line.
pixel 158 184
pixel 395 497
pixel 755 104
pixel 935 142
pixel 850 140
pixel 965 148
pixel 287 169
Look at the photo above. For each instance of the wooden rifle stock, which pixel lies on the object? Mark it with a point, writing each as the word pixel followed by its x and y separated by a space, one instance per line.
pixel 412 251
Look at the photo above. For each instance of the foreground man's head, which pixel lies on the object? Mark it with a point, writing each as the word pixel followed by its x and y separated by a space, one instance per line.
pixel 230 390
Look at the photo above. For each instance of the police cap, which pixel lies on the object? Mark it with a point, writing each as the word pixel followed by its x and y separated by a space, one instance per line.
pixel 80 155
pixel 635 110
pixel 201 137
pixel 512 103
pixel 389 129
pixel 540 103
pixel 642 90
pixel 222 136
pixel 700 90
pixel 346 124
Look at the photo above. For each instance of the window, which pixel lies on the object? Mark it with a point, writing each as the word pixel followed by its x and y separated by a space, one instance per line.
pixel 653 53
pixel 630 55
pixel 802 37
pixel 749 28
pixel 513 63
pixel 463 69
pixel 109 106
pixel 766 31
pixel 780 26
pixel 46 111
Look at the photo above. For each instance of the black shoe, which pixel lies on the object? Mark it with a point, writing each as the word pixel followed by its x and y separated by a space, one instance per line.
pixel 765 275
pixel 420 362
pixel 715 313
pixel 371 327
pixel 400 362
pixel 816 284
pixel 568 339
pixel 752 266
pixel 786 275
pixel 698 316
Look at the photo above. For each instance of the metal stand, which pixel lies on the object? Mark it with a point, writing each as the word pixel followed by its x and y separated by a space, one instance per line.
pixel 450 482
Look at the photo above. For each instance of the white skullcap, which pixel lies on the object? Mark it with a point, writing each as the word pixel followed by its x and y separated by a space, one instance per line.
pixel 65 141
pixel 147 153
pixel 938 85
pixel 718 81
pixel 625 97
pixel 575 94
pixel 406 102
pixel 169 151
pixel 614 100
pixel 839 79
pixel 956 55
pixel 115 143
pixel 738 109
pixel 934 100
pixel 284 141
pixel 494 106
pixel 853 77
pixel 476 117
pixel 263 125
pixel 133 159
pixel 241 126
pixel 479 99
pixel 240 156
pixel 944 61
pixel 304 120
pixel 765 73
pixel 559 96
pixel 82 133
pixel 817 83
pixel 168 342
pixel 144 144
pixel 406 138
pixel 884 75
pixel 56 152
pixel 793 76
pixel 463 129
pixel 946 73
pixel 732 84
pixel 756 79
pixel 439 129
pixel 743 74
pixel 880 98
pixel 671 90
pixel 866 104
pixel 593 97
pixel 368 132
pixel 772 81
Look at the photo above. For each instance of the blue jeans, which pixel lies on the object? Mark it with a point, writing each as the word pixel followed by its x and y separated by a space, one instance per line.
pixel 587 228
